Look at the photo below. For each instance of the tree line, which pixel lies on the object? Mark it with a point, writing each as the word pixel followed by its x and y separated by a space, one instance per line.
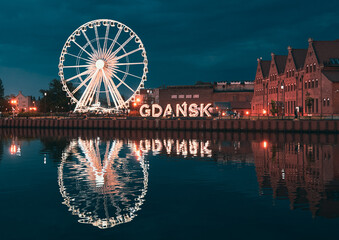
pixel 53 99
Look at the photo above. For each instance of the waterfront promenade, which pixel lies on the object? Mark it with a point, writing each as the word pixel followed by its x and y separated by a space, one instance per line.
pixel 261 125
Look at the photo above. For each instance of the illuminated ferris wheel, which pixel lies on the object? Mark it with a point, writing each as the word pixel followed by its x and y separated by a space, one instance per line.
pixel 103 65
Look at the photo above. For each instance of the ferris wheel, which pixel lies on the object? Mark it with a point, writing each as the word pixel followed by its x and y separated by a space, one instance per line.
pixel 103 65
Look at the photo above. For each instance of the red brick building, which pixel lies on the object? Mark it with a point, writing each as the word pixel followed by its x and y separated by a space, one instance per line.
pixel 235 96
pixel 304 79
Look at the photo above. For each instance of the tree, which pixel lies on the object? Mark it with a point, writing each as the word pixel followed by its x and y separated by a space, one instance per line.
pixel 274 107
pixel 55 99
pixel 3 100
pixel 309 101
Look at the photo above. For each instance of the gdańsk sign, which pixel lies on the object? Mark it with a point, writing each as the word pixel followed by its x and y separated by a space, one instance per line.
pixel 183 110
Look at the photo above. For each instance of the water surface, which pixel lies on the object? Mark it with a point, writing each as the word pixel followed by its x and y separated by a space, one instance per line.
pixel 167 185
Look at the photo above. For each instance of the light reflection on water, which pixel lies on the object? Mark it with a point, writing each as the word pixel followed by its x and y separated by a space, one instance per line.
pixel 103 177
pixel 104 183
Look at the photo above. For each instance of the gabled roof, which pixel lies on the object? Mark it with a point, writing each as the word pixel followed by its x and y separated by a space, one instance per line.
pixel 325 50
pixel 265 67
pixel 299 56
pixel 333 76
pixel 280 62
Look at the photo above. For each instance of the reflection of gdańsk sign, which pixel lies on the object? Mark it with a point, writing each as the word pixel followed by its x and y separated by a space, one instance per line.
pixel 183 110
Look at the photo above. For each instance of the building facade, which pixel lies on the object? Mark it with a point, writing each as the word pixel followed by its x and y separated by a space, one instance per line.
pixel 23 103
pixel 304 80
pixel 233 96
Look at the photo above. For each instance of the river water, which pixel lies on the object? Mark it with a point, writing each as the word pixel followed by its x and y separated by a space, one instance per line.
pixel 58 184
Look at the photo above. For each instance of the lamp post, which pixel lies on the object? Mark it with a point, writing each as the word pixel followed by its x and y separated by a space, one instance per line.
pixel 45 108
pixel 13 102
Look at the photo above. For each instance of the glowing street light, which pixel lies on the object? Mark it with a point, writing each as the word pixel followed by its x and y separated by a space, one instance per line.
pixel 264 111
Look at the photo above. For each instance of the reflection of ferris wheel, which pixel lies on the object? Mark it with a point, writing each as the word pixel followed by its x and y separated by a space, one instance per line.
pixel 104 183
pixel 106 63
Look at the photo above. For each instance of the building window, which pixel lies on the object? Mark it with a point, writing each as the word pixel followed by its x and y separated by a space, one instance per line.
pixel 316 105
pixel 181 96
pixel 328 102
pixel 316 83
pixel 174 96
pixel 196 96
pixel 309 84
pixel 313 83
pixel 307 69
pixel 287 74
pixel 310 68
pixel 324 104
pixel 305 85
pixel 314 67
pixel 188 96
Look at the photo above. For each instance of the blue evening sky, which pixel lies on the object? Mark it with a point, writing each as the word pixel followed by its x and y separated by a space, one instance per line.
pixel 186 40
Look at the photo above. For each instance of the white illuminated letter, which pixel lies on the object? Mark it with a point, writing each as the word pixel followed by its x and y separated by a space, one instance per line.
pixel 182 110
pixel 154 107
pixel 205 110
pixel 168 110
pixel 193 110
pixel 147 112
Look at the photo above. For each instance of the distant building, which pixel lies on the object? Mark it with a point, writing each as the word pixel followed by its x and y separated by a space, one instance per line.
pixel 233 96
pixel 23 103
pixel 305 79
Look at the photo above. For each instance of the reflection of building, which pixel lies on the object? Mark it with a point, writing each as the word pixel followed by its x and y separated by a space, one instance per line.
pixel 305 78
pixel 23 103
pixel 235 95
pixel 103 182
pixel 306 174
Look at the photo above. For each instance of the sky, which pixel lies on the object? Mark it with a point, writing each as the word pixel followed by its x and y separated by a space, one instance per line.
pixel 186 41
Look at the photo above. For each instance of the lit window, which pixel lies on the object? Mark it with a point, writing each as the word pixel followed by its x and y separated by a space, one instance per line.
pixel 328 102
pixel 188 96
pixel 174 96
pixel 181 96
pixel 196 96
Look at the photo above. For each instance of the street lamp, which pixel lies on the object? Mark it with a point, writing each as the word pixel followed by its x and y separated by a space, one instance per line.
pixel 13 102
pixel 45 108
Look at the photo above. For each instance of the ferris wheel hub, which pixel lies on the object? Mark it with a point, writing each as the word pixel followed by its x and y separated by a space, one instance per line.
pixel 100 64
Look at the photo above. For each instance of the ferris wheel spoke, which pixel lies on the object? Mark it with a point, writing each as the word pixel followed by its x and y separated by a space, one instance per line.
pixel 77 56
pixel 83 49
pixel 77 66
pixel 114 88
pixel 79 75
pixel 107 95
pixel 121 47
pixel 93 90
pixel 89 42
pixel 123 82
pixel 123 64
pixel 127 73
pixel 106 36
pixel 98 90
pixel 114 41
pixel 111 91
pixel 83 82
pixel 97 37
pixel 127 54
